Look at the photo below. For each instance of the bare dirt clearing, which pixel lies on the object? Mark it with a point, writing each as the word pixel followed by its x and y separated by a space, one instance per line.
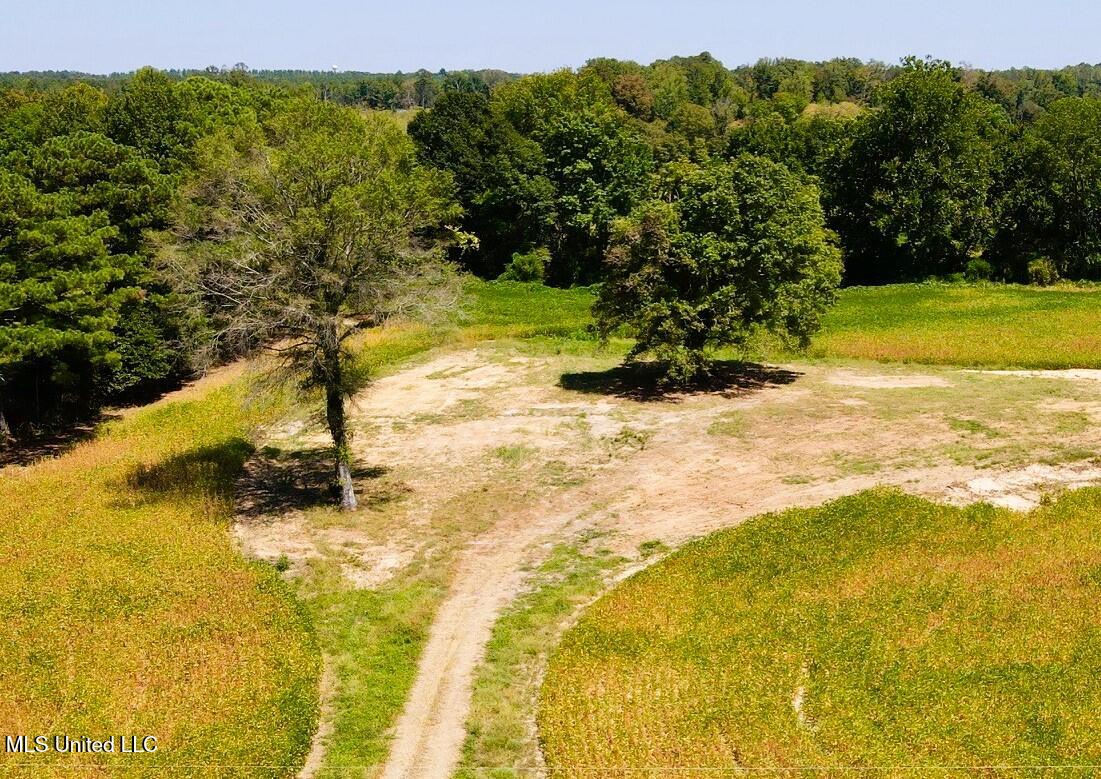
pixel 480 460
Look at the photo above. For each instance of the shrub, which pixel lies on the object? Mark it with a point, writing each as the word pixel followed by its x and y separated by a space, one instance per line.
pixel 978 269
pixel 527 266
pixel 1042 272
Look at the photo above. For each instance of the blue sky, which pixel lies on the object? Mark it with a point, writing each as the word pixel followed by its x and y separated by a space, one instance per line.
pixel 530 35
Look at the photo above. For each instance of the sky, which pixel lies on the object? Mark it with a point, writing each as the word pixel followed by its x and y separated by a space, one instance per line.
pixel 101 36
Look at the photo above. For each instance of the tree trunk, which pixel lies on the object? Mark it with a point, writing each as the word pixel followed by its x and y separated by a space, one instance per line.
pixel 5 428
pixel 334 414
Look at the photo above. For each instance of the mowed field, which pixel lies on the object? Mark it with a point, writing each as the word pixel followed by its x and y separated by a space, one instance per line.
pixel 985 325
pixel 880 633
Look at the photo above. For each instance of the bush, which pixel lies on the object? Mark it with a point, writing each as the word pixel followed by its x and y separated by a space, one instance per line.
pixel 978 269
pixel 1042 272
pixel 529 267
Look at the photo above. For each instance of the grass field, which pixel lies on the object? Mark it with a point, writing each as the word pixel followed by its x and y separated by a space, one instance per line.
pixel 123 601
pixel 125 610
pixel 993 326
pixel 989 325
pixel 877 632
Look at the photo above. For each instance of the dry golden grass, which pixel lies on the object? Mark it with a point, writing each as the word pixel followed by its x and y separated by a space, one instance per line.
pixel 126 610
pixel 881 632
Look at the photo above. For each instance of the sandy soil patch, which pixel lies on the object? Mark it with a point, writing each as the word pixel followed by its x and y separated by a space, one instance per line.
pixel 886 381
pixel 1024 489
pixel 599 457
pixel 1072 374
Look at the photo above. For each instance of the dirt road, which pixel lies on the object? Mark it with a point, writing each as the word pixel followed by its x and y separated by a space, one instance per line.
pixel 673 468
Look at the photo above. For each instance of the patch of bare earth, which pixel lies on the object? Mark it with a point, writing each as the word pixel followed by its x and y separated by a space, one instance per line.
pixel 568 446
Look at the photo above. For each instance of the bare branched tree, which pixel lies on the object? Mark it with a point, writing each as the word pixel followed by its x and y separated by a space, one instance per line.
pixel 297 235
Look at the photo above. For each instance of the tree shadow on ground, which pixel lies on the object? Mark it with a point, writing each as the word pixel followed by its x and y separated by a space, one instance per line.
pixel 645 381
pixel 275 482
pixel 205 470
pixel 52 443
pixel 268 482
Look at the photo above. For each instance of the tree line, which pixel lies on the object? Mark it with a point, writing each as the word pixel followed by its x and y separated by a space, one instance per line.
pixel 921 170
pixel 137 210
pixel 1023 92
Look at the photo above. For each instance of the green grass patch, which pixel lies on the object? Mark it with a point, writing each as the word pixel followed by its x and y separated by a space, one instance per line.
pixel 509 309
pixel 1000 326
pixel 514 454
pixel 729 424
pixel 973 427
pixel 500 738
pixel 372 640
pixel 876 632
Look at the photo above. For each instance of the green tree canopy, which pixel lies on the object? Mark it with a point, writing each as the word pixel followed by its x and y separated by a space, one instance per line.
pixel 730 249
pixel 500 176
pixel 1052 201
pixel 548 161
pixel 297 238
pixel 61 290
pixel 912 197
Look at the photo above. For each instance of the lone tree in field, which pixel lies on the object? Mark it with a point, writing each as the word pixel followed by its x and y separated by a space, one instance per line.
pixel 730 249
pixel 297 235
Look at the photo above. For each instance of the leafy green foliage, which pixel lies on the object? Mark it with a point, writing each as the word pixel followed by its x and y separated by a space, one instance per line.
pixel 1052 204
pixel 924 170
pixel 978 269
pixel 735 248
pixel 600 170
pixel 1042 272
pixel 527 266
pixel 499 176
pixel 912 198
pixel 548 161
pixel 151 115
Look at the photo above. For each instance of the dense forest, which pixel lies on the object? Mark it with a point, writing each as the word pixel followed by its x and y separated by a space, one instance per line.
pixel 918 170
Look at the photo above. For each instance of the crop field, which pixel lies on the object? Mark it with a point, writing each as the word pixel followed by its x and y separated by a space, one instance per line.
pixel 194 612
pixel 994 325
pixel 123 602
pixel 877 631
